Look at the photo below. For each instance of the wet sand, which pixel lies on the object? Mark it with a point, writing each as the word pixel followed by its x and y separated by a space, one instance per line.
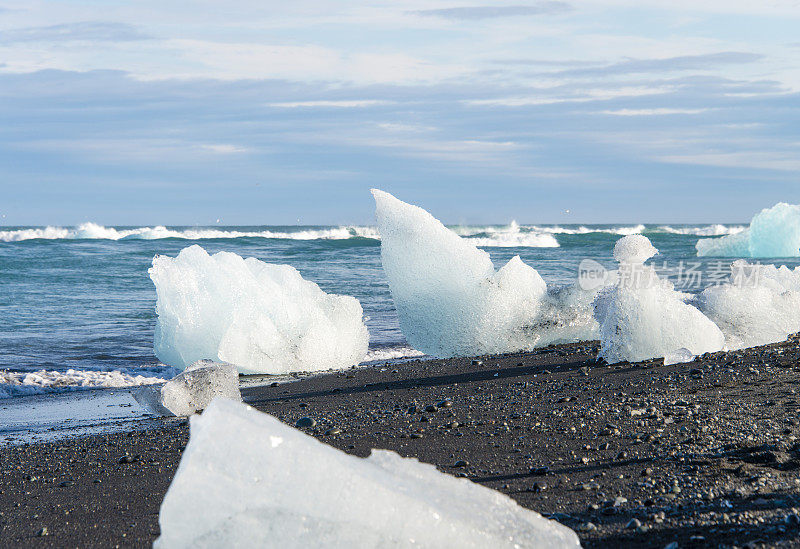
pixel 702 454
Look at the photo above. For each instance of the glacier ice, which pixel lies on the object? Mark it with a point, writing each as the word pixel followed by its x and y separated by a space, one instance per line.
pixel 261 317
pixel 192 390
pixel 773 232
pixel 643 317
pixel 452 302
pixel 759 304
pixel 248 480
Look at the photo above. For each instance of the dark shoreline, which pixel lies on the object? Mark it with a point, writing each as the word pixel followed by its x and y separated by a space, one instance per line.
pixel 702 454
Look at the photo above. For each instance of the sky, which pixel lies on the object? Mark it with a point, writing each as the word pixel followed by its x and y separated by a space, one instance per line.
pixel 270 113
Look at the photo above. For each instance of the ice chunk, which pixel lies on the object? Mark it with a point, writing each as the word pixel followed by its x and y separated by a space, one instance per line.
pixel 248 480
pixel 643 317
pixel 759 304
pixel 261 317
pixel 678 356
pixel 450 299
pixel 191 390
pixel 773 232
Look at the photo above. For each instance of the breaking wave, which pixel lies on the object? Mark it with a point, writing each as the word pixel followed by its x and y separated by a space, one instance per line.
pixel 13 384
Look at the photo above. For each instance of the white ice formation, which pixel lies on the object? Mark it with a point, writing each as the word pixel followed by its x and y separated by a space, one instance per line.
pixel 263 318
pixel 773 232
pixel 643 317
pixel 192 390
pixel 452 302
pixel 759 304
pixel 248 480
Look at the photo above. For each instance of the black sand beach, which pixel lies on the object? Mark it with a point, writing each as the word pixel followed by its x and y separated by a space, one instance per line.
pixel 702 454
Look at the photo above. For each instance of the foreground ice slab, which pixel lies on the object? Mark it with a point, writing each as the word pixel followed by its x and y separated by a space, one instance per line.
pixel 643 317
pixel 248 480
pixel 774 232
pixel 192 390
pixel 261 317
pixel 452 302
pixel 760 304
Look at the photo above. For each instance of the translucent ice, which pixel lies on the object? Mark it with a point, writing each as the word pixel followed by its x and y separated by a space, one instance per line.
pixel 759 304
pixel 261 317
pixel 248 480
pixel 773 232
pixel 192 390
pixel 452 302
pixel 643 317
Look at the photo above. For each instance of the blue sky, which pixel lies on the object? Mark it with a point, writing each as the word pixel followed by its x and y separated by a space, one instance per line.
pixel 281 113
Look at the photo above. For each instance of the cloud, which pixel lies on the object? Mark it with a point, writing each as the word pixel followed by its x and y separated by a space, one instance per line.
pixel 652 112
pixel 89 31
pixel 667 64
pixel 346 104
pixel 492 12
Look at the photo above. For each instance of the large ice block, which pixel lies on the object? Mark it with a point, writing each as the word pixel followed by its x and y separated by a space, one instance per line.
pixel 261 317
pixel 773 232
pixel 643 317
pixel 248 480
pixel 452 302
pixel 759 304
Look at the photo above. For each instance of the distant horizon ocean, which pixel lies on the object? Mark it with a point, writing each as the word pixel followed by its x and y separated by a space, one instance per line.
pixel 78 308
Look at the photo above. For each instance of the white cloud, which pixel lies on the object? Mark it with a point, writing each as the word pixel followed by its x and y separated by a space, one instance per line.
pixel 338 103
pixel 652 112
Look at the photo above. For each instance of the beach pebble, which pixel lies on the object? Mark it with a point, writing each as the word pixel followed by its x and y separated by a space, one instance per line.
pixel 305 422
pixel 43 532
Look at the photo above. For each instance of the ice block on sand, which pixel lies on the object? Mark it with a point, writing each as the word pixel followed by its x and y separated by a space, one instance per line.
pixel 452 302
pixel 248 480
pixel 261 317
pixel 191 390
pixel 643 317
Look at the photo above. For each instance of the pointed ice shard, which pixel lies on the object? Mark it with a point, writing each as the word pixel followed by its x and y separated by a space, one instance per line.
pixel 452 302
pixel 248 480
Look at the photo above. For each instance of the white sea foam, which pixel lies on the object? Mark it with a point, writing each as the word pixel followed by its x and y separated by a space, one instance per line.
pixel 93 231
pixel 634 229
pixel 14 384
pixel 391 353
pixel 710 230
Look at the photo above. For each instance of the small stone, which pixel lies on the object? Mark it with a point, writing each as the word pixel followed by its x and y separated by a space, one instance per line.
pixel 43 532
pixel 66 484
pixel 540 470
pixel 633 524
pixel 538 487
pixel 461 463
pixel 792 520
pixel 415 435
pixel 305 422
pixel 446 403
pixel 126 459
pixel 588 527
pixel 431 408
pixel 333 431
pixel 477 362
pixel 647 472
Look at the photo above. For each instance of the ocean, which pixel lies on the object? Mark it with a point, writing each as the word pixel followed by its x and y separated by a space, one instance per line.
pixel 78 308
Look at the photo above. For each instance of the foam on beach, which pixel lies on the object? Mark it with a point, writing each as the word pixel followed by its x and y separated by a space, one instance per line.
pixel 14 384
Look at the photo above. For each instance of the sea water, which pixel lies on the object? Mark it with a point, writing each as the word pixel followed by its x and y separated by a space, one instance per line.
pixel 77 308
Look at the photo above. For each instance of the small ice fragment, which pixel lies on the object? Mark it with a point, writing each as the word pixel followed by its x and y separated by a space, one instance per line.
pixel 643 317
pixel 191 390
pixel 678 356
pixel 773 232
pixel 309 494
pixel 263 318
